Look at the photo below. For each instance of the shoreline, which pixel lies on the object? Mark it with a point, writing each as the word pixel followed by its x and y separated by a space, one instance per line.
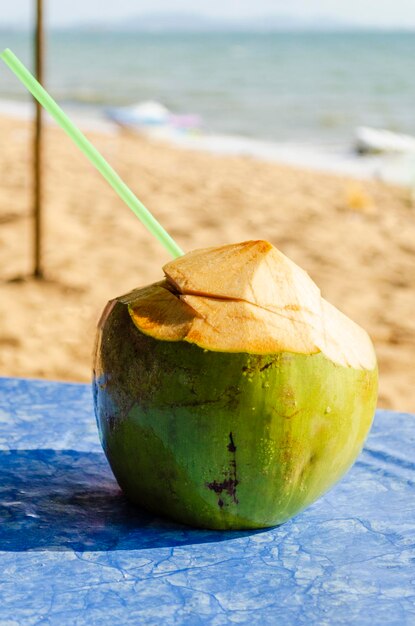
pixel 329 158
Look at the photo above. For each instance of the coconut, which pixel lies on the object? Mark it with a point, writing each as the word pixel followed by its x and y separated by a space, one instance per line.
pixel 231 394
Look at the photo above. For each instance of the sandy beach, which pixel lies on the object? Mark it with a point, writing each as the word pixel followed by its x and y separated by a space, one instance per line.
pixel 355 238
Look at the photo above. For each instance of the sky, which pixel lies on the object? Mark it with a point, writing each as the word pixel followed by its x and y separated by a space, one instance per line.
pixel 380 13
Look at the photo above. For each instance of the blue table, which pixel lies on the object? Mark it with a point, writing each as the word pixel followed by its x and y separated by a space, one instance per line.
pixel 74 552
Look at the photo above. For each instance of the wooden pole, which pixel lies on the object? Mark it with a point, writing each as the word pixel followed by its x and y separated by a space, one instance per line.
pixel 37 149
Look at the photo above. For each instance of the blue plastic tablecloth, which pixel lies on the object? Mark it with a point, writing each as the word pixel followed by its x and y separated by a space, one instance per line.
pixel 73 551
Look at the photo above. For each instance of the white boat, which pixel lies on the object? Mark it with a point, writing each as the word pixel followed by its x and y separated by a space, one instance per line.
pixel 152 115
pixel 375 141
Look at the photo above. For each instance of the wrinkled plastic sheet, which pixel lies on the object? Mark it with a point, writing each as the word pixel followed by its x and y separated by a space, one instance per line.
pixel 73 551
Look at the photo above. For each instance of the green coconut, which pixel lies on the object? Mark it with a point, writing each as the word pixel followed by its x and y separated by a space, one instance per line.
pixel 231 394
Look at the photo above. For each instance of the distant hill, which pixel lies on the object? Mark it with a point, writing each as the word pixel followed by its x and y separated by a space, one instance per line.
pixel 196 23
pixel 192 22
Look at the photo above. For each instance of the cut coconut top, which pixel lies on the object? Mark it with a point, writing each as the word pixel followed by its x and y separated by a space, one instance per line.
pixel 253 271
pixel 247 297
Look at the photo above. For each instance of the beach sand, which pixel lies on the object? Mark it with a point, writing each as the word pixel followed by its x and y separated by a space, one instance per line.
pixel 355 239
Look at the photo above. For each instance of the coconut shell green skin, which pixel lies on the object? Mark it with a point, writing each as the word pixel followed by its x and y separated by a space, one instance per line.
pixel 212 435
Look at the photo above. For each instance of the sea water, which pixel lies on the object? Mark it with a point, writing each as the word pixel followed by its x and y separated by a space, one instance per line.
pixel 291 89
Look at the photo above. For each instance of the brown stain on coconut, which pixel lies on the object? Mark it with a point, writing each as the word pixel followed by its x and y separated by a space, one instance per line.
pixel 229 483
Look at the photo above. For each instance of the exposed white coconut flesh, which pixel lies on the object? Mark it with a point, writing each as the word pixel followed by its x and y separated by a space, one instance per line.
pixel 247 297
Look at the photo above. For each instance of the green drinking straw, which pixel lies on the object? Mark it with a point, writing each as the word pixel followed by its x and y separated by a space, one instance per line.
pixel 90 152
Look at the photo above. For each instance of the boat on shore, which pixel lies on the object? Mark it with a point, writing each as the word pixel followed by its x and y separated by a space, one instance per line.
pixel 151 115
pixel 379 141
